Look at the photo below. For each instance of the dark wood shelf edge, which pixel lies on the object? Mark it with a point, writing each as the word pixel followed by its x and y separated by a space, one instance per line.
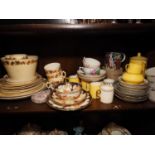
pixel 26 106
pixel 33 28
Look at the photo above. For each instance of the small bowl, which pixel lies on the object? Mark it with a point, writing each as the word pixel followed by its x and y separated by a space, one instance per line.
pixel 91 63
pixel 150 73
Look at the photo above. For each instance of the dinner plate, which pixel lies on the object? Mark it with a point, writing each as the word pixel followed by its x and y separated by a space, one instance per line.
pixel 7 79
pixel 134 100
pixel 12 96
pixel 141 85
pixel 5 84
pixel 128 91
pixel 80 106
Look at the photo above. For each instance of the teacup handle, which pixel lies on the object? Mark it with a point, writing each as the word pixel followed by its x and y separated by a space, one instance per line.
pixel 49 86
pixel 98 93
pixel 124 57
pixel 126 67
pixel 64 74
pixel 81 68
pixel 66 79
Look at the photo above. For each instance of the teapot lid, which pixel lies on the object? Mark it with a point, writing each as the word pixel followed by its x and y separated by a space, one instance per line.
pixel 139 57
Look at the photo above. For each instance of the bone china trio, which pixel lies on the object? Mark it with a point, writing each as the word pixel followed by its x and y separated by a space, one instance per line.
pixel 75 92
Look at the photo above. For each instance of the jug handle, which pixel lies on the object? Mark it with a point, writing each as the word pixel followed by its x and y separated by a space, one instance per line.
pixel 126 67
pixel 124 57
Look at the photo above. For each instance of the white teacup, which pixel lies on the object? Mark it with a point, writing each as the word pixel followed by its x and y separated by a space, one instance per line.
pixel 90 70
pixel 52 67
pixel 91 63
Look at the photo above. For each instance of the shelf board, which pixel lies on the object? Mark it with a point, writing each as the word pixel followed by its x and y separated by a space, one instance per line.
pixel 48 28
pixel 26 106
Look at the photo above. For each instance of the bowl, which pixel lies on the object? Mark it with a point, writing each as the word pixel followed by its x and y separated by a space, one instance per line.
pixel 150 73
pixel 68 90
pixel 20 67
pixel 91 63
pixel 133 78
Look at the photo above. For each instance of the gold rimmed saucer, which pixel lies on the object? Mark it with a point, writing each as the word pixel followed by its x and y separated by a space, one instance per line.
pixel 73 107
pixel 92 78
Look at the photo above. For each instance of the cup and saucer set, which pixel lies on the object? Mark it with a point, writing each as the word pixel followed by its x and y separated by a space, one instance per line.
pixel 66 92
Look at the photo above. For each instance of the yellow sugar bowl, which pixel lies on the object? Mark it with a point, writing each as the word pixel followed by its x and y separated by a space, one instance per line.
pixel 139 60
pixel 133 78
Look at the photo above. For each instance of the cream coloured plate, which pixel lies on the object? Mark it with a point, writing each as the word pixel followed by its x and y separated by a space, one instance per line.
pixel 9 96
pixel 18 81
pixel 7 85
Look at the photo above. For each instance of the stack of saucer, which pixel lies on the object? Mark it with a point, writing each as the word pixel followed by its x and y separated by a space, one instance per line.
pixel 91 71
pixel 131 92
pixel 69 97
pixel 17 90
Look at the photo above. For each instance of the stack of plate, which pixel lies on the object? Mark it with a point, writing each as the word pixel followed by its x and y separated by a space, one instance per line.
pixel 131 92
pixel 69 103
pixel 91 78
pixel 17 90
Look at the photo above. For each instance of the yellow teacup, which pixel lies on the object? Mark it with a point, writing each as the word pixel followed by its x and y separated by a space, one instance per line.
pixel 143 64
pixel 94 89
pixel 85 85
pixel 134 68
pixel 73 78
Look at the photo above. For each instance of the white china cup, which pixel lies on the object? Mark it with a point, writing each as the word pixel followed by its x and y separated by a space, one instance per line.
pixel 90 70
pixel 91 63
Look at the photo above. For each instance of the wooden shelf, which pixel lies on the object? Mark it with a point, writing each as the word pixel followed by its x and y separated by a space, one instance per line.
pixel 88 28
pixel 26 106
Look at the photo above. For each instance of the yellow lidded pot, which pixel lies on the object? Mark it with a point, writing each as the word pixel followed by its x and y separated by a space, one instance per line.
pixel 139 60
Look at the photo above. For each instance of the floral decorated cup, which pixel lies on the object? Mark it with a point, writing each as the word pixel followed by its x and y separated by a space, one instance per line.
pixel 91 63
pixel 90 71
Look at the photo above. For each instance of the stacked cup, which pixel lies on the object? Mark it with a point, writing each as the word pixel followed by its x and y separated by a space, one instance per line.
pixel 133 74
pixel 150 73
pixel 91 66
pixel 55 74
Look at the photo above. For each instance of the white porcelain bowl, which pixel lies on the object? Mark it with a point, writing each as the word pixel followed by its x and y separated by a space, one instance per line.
pixel 91 63
pixel 19 68
pixel 150 73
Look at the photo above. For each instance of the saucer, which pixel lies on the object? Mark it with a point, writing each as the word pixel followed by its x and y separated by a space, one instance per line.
pixel 73 107
pixel 9 80
pixel 92 78
pixel 68 102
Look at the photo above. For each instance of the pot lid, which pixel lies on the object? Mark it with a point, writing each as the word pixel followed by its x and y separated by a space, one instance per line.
pixel 139 57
